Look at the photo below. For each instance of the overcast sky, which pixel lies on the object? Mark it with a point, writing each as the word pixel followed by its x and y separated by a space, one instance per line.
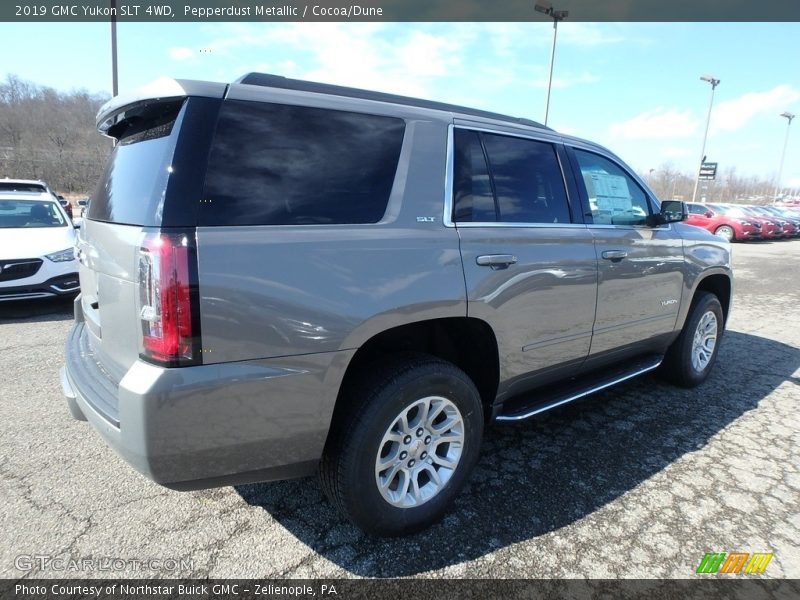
pixel 633 87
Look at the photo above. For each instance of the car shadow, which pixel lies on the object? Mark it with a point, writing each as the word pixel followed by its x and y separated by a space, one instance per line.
pixel 40 309
pixel 538 476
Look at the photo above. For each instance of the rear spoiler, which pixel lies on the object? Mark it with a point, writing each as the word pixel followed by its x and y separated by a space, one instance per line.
pixel 160 90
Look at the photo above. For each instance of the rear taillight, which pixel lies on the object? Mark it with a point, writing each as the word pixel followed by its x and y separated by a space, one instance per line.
pixel 167 299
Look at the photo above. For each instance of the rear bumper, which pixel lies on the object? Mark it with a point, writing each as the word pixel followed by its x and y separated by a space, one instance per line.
pixel 209 425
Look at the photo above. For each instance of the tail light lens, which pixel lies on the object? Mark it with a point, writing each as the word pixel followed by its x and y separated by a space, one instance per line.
pixel 168 299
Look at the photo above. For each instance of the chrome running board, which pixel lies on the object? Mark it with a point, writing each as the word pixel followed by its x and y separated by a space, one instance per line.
pixel 533 404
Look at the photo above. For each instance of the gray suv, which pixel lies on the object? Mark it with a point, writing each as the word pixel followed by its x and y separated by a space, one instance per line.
pixel 281 277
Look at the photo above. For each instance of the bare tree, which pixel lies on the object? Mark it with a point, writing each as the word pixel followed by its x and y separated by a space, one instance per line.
pixel 49 135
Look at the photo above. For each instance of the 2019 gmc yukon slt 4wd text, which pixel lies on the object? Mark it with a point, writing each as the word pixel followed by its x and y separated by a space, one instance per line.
pixel 281 277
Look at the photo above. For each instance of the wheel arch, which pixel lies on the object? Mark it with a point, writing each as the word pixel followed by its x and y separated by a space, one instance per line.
pixel 467 342
pixel 717 282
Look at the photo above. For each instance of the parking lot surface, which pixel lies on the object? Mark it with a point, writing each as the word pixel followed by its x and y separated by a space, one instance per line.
pixel 639 481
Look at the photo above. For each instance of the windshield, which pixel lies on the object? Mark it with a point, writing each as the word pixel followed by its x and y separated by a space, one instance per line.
pixel 729 211
pixel 29 214
pixel 16 186
pixel 755 211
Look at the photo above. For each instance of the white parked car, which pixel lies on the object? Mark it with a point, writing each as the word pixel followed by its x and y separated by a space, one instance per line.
pixel 37 241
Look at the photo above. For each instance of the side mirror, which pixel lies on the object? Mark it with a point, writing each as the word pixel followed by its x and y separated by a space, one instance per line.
pixel 708 214
pixel 672 211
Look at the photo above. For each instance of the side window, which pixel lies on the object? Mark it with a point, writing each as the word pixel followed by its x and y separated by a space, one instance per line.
pixel 697 209
pixel 521 183
pixel 275 164
pixel 473 200
pixel 527 180
pixel 614 197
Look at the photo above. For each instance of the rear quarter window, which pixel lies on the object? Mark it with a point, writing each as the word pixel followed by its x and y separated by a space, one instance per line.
pixel 274 164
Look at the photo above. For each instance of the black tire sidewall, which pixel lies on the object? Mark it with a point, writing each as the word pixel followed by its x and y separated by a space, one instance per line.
pixel 707 302
pixel 368 508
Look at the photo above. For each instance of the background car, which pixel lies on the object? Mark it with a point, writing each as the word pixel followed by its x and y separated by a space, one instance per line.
pixel 66 205
pixel 714 219
pixel 775 224
pixel 37 254
pixel 769 228
pixel 792 221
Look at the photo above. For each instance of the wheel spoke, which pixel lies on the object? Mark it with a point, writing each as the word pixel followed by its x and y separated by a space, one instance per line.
pixel 387 480
pixel 444 461
pixel 434 414
pixel 402 423
pixel 415 486
pixel 446 425
pixel 449 436
pixel 434 474
pixel 386 461
pixel 422 417
pixel 402 489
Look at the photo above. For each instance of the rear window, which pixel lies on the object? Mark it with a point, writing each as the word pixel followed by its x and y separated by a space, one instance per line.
pixel 14 186
pixel 274 164
pixel 132 188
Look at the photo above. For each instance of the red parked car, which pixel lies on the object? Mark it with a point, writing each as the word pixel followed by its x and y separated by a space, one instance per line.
pixel 791 226
pixel 66 204
pixel 714 218
pixel 770 229
pixel 777 223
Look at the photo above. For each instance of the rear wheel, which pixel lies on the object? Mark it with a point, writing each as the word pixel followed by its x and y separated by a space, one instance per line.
pixel 396 460
pixel 690 357
pixel 726 232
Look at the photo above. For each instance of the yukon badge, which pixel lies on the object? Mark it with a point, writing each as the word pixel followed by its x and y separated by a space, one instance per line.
pixel 668 301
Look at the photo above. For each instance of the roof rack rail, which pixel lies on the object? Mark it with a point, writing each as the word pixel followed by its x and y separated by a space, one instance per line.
pixel 277 81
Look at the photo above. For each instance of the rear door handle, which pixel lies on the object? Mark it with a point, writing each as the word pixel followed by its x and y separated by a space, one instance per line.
pixel 496 261
pixel 614 254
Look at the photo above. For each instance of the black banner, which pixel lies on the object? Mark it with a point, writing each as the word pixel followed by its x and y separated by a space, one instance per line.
pixel 393 10
pixel 708 588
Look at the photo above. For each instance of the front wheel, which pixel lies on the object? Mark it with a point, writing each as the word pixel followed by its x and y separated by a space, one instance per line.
pixel 690 358
pixel 726 232
pixel 396 460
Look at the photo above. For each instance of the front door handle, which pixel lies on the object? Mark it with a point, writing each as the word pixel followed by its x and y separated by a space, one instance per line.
pixel 496 261
pixel 614 254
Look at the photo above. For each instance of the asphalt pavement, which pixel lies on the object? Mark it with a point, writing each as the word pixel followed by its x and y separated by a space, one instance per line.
pixel 638 482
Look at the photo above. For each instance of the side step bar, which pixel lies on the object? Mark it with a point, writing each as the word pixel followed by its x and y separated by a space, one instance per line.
pixel 549 397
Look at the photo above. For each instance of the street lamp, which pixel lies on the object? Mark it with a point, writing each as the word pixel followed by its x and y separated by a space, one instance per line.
pixel 714 83
pixel 114 80
pixel 788 116
pixel 557 15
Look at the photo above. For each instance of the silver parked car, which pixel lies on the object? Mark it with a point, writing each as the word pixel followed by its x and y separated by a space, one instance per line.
pixel 281 277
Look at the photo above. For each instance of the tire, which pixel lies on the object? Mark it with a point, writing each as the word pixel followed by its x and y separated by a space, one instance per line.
pixel 371 430
pixel 685 363
pixel 726 232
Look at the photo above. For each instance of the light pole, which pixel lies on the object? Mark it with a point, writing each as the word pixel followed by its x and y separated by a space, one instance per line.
pixel 114 82
pixel 788 116
pixel 714 83
pixel 557 15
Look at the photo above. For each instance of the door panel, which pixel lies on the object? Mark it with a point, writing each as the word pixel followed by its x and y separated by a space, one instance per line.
pixel 542 306
pixel 640 267
pixel 530 272
pixel 638 296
